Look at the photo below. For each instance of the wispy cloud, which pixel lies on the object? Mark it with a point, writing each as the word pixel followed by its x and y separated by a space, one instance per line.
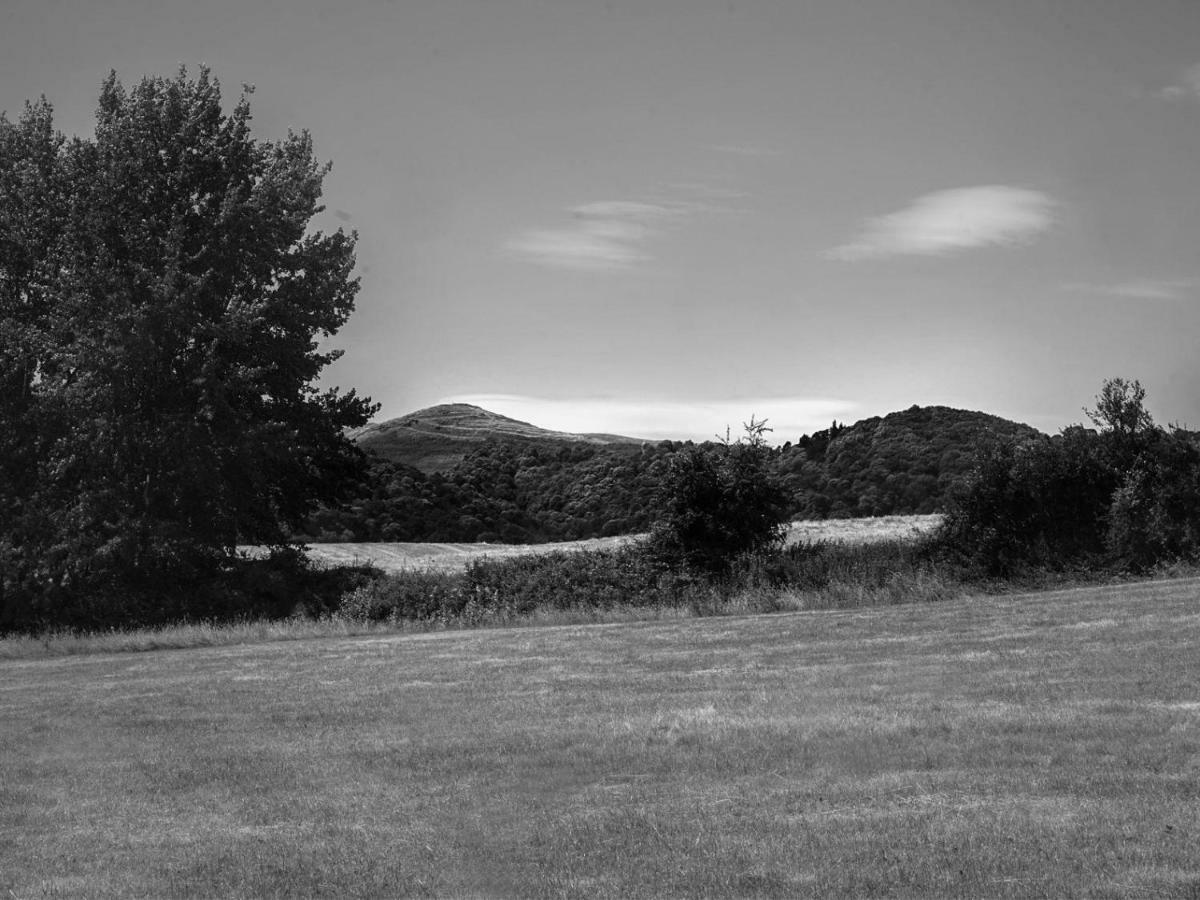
pixel 605 234
pixel 704 195
pixel 1187 87
pixel 790 417
pixel 1141 289
pixel 748 150
pixel 951 221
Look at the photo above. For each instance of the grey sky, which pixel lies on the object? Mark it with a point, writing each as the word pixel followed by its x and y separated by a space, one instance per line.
pixel 661 216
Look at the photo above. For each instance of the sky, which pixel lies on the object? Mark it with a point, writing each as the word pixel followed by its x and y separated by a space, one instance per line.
pixel 661 217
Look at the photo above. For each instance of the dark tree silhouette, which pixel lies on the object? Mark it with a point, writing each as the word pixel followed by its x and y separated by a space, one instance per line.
pixel 162 305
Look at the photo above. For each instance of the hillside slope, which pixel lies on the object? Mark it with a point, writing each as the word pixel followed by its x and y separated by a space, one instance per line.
pixel 437 438
pixel 462 474
pixel 903 462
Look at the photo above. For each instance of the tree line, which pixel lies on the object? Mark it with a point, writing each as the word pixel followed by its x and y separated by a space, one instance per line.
pixel 508 491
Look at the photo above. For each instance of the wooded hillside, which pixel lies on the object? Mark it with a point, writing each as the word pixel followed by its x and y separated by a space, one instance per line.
pixel 521 487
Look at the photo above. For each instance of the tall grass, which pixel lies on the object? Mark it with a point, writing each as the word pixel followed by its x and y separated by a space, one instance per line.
pixel 63 642
pixel 597 586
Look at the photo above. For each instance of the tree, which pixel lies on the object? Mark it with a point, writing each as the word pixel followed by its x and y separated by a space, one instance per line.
pixel 1120 408
pixel 718 502
pixel 1126 496
pixel 162 309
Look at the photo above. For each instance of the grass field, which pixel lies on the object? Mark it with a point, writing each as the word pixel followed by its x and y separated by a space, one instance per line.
pixel 1035 746
pixel 396 557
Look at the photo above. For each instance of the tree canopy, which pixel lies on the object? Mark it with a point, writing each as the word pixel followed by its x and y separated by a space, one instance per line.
pixel 1126 496
pixel 718 502
pixel 163 306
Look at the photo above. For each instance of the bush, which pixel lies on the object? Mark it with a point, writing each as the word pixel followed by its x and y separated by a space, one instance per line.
pixel 1155 511
pixel 825 575
pixel 505 588
pixel 411 596
pixel 719 502
pixel 278 586
pixel 1041 503
pixel 1126 496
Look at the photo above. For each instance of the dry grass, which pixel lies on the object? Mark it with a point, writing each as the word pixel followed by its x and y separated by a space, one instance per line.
pixel 1029 746
pixel 863 531
pixel 402 557
pixel 398 557
pixel 181 636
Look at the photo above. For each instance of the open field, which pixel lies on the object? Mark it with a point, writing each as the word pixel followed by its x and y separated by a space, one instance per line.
pixel 396 557
pixel 1035 745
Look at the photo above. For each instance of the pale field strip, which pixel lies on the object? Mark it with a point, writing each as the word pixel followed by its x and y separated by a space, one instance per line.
pixel 450 557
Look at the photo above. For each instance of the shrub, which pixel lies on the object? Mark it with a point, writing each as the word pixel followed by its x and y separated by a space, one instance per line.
pixel 414 596
pixel 1155 511
pixel 1127 495
pixel 719 502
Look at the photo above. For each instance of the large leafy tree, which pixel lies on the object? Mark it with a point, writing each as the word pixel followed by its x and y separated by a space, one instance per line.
pixel 163 305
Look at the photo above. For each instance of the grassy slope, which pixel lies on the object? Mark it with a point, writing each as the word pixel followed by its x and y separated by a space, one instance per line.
pixel 1044 745
pixel 436 439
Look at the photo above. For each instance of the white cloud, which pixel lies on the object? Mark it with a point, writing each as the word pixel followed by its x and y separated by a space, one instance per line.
pixel 790 417
pixel 606 234
pixel 628 210
pixel 575 249
pixel 953 220
pixel 1142 289
pixel 1187 87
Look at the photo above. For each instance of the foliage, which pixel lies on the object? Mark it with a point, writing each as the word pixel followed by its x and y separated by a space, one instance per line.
pixel 821 575
pixel 596 580
pixel 162 303
pixel 1120 408
pixel 1038 503
pixel 1125 496
pixel 1155 511
pixel 529 491
pixel 905 462
pixel 719 502
pixel 504 491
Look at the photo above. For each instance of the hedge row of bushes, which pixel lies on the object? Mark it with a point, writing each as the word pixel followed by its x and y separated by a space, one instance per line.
pixel 808 576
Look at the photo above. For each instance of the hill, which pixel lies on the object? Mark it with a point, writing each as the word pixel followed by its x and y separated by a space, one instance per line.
pixel 437 438
pixel 904 462
pixel 462 474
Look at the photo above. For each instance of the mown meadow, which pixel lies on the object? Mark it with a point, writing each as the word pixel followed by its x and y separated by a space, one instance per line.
pixel 1028 745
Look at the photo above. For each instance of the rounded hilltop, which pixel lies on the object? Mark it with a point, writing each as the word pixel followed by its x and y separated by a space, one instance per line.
pixel 435 438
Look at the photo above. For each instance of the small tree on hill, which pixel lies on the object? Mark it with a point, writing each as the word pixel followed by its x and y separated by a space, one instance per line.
pixel 718 502
pixel 1120 408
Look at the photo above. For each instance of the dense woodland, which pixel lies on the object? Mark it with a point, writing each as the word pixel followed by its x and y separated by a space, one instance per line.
pixel 519 491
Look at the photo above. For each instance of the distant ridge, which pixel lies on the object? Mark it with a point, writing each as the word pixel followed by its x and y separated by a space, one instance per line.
pixel 458 474
pixel 435 439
